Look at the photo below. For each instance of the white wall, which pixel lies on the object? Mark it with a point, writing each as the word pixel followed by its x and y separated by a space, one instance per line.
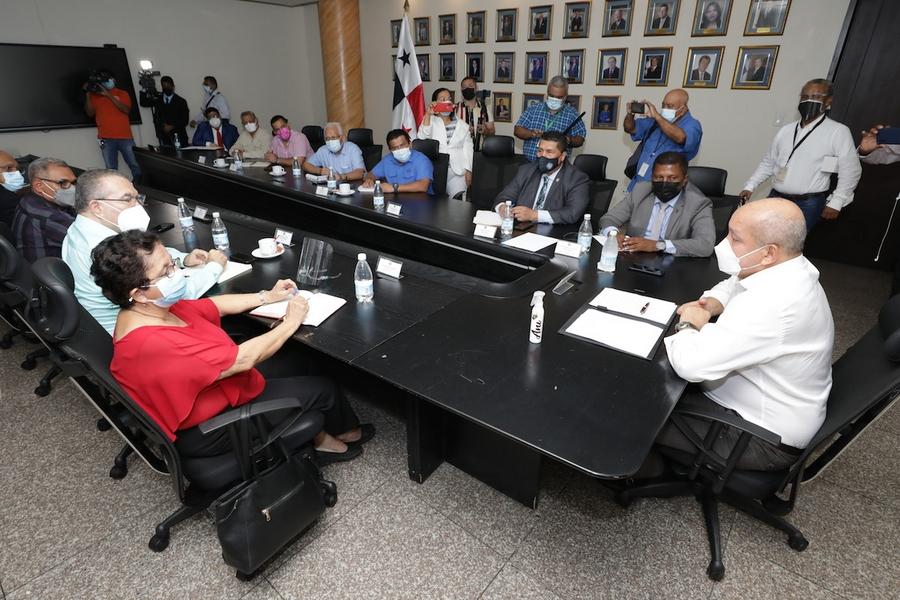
pixel 738 125
pixel 266 58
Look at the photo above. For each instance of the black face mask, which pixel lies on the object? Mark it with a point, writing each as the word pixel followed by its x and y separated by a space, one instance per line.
pixel 666 190
pixel 546 165
pixel 810 109
pixel 468 93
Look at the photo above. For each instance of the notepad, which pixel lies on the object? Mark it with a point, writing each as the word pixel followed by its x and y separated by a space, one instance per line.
pixel 365 190
pixel 201 148
pixel 317 178
pixel 258 163
pixel 231 270
pixel 321 306
pixel 487 217
pixel 530 241
pixel 626 303
pixel 638 338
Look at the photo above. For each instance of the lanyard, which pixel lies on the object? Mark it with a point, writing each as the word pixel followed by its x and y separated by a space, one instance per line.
pixel 211 98
pixel 803 139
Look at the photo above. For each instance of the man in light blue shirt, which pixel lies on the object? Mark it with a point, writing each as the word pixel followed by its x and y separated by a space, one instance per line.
pixel 671 129
pixel 108 203
pixel 554 114
pixel 344 157
pixel 405 169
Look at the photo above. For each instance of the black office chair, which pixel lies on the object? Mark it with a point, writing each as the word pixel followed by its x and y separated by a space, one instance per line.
pixel 87 352
pixel 711 182
pixel 492 169
pixel 441 162
pixel 602 189
pixel 315 134
pixel 371 151
pixel 865 383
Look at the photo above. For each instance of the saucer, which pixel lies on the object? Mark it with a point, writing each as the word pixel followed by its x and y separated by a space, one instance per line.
pixel 277 174
pixel 256 252
pixel 225 166
pixel 349 193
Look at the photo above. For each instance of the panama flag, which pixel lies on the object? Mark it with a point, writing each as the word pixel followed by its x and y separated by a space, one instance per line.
pixel 409 93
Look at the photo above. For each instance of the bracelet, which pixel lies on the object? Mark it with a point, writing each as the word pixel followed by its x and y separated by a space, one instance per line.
pixel 262 297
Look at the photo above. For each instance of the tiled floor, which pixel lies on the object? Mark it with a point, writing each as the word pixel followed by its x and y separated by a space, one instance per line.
pixel 69 531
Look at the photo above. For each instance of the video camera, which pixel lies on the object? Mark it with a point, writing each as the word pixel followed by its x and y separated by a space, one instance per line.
pixel 147 80
pixel 95 80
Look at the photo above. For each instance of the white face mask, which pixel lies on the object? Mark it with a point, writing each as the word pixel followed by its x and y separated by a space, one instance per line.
pixel 729 262
pixel 333 145
pixel 13 181
pixel 554 103
pixel 207 89
pixel 215 122
pixel 668 114
pixel 251 127
pixel 133 217
pixel 402 154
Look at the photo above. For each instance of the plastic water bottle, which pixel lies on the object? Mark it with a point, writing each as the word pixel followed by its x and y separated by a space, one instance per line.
pixel 220 235
pixel 536 327
pixel 610 252
pixel 331 181
pixel 378 196
pixel 362 280
pixel 296 171
pixel 177 142
pixel 184 216
pixel 585 234
pixel 506 216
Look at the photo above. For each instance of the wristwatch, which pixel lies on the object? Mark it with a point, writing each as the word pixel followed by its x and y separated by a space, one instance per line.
pixel 681 326
pixel 661 246
pixel 395 187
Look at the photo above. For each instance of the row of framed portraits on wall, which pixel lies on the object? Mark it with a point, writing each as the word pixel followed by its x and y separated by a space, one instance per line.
pixel 604 110
pixel 711 18
pixel 753 69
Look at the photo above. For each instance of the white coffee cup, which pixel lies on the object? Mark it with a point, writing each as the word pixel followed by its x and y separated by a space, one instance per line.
pixel 219 162
pixel 267 246
pixel 345 188
pixel 278 170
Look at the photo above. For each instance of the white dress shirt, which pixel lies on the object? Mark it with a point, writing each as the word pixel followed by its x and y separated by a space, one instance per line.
pixel 830 142
pixel 768 356
pixel 215 100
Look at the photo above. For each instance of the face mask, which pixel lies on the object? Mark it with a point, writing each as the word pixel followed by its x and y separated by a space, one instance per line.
pixel 13 181
pixel 445 113
pixel 65 197
pixel 668 114
pixel 215 122
pixel 546 164
pixel 402 154
pixel 133 217
pixel 468 93
pixel 172 289
pixel 333 145
pixel 207 89
pixel 554 103
pixel 810 109
pixel 666 190
pixel 728 262
pixel 284 133
pixel 251 127
pixel 109 84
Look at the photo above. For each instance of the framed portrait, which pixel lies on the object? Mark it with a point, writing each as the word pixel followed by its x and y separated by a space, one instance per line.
pixel 711 17
pixel 475 27
pixel 701 70
pixel 529 100
pixel 395 32
pixel 574 100
pixel 504 65
pixel 754 67
pixel 447 65
pixel 571 65
pixel 539 22
pixel 502 107
pixel 475 65
pixel 605 113
pixel 447 26
pixel 617 15
pixel 662 17
pixel 578 19
pixel 422 27
pixel 507 24
pixel 536 67
pixel 654 66
pixel 424 66
pixel 611 66
pixel 767 17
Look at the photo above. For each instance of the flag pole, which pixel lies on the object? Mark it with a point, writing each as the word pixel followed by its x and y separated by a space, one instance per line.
pixel 406 6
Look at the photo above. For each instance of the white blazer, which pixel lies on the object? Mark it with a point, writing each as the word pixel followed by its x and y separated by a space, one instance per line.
pixel 459 148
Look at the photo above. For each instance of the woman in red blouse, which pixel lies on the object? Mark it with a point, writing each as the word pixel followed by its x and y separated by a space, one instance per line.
pixel 176 362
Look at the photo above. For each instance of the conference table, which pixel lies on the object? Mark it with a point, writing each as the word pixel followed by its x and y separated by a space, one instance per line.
pixel 451 335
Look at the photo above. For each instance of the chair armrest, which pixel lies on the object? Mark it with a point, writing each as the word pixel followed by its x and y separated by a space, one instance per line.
pixel 255 408
pixel 690 407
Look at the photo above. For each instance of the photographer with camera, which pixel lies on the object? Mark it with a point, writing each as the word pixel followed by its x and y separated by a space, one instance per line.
pixel 110 106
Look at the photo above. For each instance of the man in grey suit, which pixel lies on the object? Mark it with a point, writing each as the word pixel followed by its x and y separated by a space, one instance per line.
pixel 667 214
pixel 548 190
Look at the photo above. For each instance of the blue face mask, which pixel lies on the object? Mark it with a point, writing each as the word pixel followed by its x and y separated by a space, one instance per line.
pixel 109 84
pixel 172 289
pixel 554 103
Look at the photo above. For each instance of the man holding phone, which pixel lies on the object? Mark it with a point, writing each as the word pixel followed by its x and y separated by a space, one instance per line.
pixel 670 129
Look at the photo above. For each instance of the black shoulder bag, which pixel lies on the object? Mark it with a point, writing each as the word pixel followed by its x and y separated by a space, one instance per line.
pixel 631 165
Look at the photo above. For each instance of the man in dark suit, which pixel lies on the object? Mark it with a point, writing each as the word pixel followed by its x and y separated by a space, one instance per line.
pixel 701 73
pixel 576 24
pixel 618 22
pixel 503 69
pixel 172 115
pixel 654 69
pixel 667 214
pixel 611 71
pixel 757 69
pixel 548 190
pixel 214 131
pixel 662 20
pixel 540 24
pixel 767 17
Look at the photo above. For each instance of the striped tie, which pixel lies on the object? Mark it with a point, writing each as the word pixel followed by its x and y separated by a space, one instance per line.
pixel 542 194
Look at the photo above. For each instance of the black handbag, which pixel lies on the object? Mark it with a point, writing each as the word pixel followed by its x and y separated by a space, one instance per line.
pixel 631 165
pixel 262 514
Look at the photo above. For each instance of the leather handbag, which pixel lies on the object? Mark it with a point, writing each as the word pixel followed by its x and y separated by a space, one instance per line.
pixel 631 165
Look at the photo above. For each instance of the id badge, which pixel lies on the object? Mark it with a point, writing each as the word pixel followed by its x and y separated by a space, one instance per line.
pixel 642 172
pixel 781 175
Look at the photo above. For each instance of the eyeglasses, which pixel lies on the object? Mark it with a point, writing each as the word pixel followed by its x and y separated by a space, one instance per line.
pixel 139 198
pixel 63 183
pixel 168 273
pixel 813 96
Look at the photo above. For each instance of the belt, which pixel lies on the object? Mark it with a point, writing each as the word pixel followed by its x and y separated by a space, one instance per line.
pixel 796 197
pixel 791 449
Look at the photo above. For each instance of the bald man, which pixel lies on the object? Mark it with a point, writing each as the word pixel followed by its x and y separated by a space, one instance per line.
pixel 768 355
pixel 11 182
pixel 670 129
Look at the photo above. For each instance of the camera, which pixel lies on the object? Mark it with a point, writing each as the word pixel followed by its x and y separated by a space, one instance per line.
pixel 147 80
pixel 95 80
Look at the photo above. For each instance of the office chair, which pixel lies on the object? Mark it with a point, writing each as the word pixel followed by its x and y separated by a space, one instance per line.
pixel 492 169
pixel 711 182
pixel 602 189
pixel 865 383
pixel 441 162
pixel 371 151
pixel 315 134
pixel 87 358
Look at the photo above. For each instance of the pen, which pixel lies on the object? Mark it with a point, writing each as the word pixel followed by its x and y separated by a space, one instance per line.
pixel 644 308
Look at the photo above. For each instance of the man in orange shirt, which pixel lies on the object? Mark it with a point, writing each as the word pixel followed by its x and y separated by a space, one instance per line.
pixel 110 107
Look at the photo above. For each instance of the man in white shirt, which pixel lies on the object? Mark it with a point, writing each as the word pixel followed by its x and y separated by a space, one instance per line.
pixel 253 142
pixel 768 356
pixel 212 98
pixel 805 153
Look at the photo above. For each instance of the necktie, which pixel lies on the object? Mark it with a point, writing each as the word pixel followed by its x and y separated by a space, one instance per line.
pixel 219 138
pixel 542 194
pixel 656 221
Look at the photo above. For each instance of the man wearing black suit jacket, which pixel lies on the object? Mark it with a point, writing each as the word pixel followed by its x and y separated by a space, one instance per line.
pixel 757 70
pixel 662 20
pixel 701 73
pixel 611 71
pixel 618 22
pixel 540 24
pixel 548 190
pixel 172 114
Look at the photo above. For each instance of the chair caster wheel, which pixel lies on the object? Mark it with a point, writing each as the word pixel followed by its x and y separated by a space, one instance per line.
pixel 798 542
pixel 42 390
pixel 244 576
pixel 29 364
pixel 329 493
pixel 716 570
pixel 117 472
pixel 158 543
pixel 103 425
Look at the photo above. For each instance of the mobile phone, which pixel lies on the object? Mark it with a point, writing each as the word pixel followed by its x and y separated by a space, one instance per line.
pixel 646 269
pixel 888 135
pixel 241 257
pixel 162 227
pixel 637 108
pixel 443 107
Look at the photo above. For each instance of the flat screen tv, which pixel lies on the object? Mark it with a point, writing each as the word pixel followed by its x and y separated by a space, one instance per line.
pixel 42 84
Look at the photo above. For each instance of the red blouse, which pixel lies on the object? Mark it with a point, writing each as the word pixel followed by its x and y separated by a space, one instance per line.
pixel 172 372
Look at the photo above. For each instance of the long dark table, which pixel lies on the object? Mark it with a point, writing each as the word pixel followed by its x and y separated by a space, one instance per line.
pixel 455 340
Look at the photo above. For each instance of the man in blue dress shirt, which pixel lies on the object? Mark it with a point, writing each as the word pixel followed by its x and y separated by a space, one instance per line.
pixel 554 114
pixel 670 129
pixel 344 157
pixel 404 169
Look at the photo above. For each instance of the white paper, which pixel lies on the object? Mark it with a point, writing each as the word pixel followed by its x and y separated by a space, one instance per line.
pixel 365 190
pixel 321 190
pixel 568 249
pixel 658 311
pixel 394 209
pixel 530 241
pixel 485 231
pixel 200 212
pixel 389 267
pixel 487 217
pixel 258 163
pixel 200 147
pixel 634 337
pixel 233 269
pixel 283 236
pixel 317 178
pixel 601 239
pixel 321 306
